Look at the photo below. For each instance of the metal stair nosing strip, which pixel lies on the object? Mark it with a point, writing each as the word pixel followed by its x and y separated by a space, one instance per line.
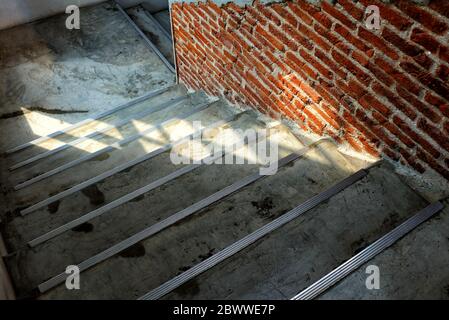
pixel 126 198
pixel 116 145
pixel 368 253
pixel 90 119
pixel 145 38
pixel 96 133
pixel 171 220
pixel 243 243
pixel 124 166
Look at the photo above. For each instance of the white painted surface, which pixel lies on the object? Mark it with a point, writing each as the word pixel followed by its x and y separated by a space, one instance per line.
pixel 15 12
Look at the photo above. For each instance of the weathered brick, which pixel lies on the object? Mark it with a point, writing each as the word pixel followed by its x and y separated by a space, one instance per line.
pixel 419 105
pixel 432 22
pixel 425 39
pixel 350 8
pixel 440 6
pixel 383 94
pixel 434 133
pixel 390 14
pixel 442 72
pixel 353 40
pixel 303 17
pixel 377 42
pixel 350 66
pixel 426 79
pixel 409 49
pixel 395 100
pixel 331 10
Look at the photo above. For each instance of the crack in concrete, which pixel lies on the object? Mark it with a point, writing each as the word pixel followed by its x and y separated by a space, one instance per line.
pixel 15 114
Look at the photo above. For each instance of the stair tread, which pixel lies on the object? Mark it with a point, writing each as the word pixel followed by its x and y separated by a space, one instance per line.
pixel 153 30
pixel 163 17
pixel 299 253
pixel 69 136
pixel 108 160
pixel 407 265
pixel 128 219
pixel 84 201
pixel 171 107
pixel 213 227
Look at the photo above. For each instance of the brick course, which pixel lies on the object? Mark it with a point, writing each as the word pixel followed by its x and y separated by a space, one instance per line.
pixel 384 92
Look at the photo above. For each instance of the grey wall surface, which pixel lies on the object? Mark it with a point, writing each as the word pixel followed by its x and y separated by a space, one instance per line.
pixel 15 12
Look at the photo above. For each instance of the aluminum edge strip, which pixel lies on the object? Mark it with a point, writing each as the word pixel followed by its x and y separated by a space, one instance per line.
pixel 144 37
pixel 94 134
pixel 91 119
pixel 251 238
pixel 368 253
pixel 122 167
pixel 109 148
pixel 122 200
pixel 175 218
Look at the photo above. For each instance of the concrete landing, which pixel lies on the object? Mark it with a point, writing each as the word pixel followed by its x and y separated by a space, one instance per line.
pixel 58 76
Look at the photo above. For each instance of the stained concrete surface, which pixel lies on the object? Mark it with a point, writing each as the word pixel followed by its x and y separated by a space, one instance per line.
pixel 22 229
pixel 130 112
pixel 117 224
pixel 14 12
pixel 109 160
pixel 416 267
pixel 294 256
pixel 114 135
pixel 181 246
pixel 51 77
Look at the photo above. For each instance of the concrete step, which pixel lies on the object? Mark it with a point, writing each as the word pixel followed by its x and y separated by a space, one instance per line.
pixel 163 17
pixel 165 123
pixel 296 255
pixel 91 125
pixel 139 124
pixel 409 270
pixel 213 228
pixel 23 229
pixel 127 219
pixel 157 34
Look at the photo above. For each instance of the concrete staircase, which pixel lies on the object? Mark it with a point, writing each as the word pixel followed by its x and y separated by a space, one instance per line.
pixel 105 195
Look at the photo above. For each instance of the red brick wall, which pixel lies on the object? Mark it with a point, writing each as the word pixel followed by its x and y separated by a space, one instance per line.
pixel 384 92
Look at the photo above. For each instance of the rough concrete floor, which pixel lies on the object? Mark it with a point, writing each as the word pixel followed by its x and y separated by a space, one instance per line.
pixel 51 77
